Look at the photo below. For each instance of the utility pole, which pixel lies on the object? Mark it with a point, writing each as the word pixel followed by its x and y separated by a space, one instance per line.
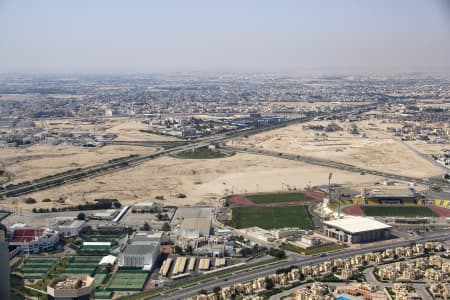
pixel 339 204
pixel 329 185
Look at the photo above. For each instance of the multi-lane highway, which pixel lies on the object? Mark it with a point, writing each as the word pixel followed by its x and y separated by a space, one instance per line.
pixel 335 165
pixel 126 162
pixel 298 261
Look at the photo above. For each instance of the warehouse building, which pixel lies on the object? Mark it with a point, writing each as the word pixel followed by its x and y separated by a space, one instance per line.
pixel 142 250
pixel 356 230
pixel 139 256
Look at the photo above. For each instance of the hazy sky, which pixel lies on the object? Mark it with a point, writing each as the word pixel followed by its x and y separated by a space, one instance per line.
pixel 214 35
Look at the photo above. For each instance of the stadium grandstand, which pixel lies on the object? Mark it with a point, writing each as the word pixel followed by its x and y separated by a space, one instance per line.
pixel 391 196
pixel 33 239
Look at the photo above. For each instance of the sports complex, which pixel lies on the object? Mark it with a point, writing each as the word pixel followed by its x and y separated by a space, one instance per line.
pixel 273 210
pixel 387 204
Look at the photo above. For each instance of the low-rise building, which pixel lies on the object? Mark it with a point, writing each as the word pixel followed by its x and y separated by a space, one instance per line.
pixel 147 207
pixel 356 230
pixel 70 227
pixel 74 288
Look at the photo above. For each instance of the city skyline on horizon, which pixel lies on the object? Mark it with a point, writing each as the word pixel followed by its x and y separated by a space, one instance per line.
pixel 108 37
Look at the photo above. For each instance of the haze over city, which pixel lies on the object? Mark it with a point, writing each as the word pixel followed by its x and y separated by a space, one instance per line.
pixel 285 36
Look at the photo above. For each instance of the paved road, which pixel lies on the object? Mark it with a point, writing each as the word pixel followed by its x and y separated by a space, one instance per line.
pixel 127 162
pixel 333 164
pixel 299 261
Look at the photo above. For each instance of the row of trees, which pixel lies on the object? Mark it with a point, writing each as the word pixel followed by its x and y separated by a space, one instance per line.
pixel 89 206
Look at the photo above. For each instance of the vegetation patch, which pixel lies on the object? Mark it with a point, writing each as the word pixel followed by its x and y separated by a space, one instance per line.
pixel 314 250
pixel 272 217
pixel 201 153
pixel 398 211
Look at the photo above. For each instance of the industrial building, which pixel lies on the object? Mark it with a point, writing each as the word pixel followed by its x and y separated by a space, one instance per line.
pixel 139 256
pixel 141 251
pixel 193 228
pixel 33 239
pixel 73 287
pixel 4 264
pixel 356 230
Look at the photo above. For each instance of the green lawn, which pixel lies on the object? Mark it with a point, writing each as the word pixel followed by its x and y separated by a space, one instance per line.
pixel 128 280
pixel 310 251
pixel 272 217
pixel 398 211
pixel 274 198
pixel 201 153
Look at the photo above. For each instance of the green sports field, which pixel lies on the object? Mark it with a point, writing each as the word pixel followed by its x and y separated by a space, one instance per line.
pixel 128 280
pixel 275 198
pixel 398 211
pixel 79 265
pixel 272 217
pixel 36 267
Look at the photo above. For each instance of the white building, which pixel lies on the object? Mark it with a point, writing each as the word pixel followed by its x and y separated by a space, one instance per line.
pixel 310 241
pixel 356 230
pixel 139 256
pixel 71 227
pixel 142 250
pixel 33 239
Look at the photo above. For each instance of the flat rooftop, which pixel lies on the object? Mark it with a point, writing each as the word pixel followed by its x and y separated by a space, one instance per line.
pixel 196 223
pixel 189 212
pixel 140 249
pixel 71 282
pixel 394 193
pixel 357 224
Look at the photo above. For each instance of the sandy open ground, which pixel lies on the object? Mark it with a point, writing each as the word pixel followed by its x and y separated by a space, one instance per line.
pixel 42 160
pixel 377 151
pixel 203 181
pixel 126 129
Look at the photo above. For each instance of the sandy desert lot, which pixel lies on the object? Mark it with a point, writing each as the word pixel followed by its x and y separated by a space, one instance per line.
pixel 428 149
pixel 42 160
pixel 126 129
pixel 378 150
pixel 203 181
